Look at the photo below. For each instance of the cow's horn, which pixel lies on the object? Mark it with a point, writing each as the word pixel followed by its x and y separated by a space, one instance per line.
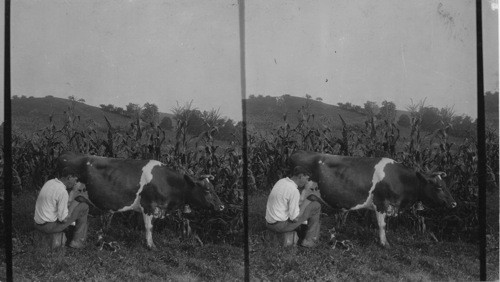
pixel 209 176
pixel 439 173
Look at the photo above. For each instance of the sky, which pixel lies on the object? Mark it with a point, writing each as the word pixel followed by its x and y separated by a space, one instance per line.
pixel 355 51
pixel 118 52
pixel 171 52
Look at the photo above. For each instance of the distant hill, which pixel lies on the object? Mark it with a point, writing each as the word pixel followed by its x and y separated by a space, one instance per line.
pixel 266 113
pixel 31 114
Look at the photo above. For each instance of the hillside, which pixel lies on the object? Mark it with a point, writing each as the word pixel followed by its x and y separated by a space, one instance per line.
pixel 264 113
pixel 30 114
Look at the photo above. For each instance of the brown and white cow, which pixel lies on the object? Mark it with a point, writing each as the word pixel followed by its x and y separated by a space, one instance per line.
pixel 145 186
pixel 379 184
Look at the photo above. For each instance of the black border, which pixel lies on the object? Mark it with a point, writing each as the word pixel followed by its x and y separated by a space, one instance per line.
pixel 7 169
pixel 481 144
pixel 480 131
pixel 241 8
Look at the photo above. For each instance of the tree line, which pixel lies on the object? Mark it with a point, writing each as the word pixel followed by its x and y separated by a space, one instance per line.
pixel 198 121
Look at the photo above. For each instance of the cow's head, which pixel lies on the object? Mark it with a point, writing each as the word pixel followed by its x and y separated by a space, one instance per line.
pixel 202 193
pixel 435 191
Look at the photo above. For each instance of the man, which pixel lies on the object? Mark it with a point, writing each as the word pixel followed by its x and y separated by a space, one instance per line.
pixel 283 213
pixel 52 214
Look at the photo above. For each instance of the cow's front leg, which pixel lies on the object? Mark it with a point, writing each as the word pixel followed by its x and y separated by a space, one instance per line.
pixel 381 229
pixel 148 224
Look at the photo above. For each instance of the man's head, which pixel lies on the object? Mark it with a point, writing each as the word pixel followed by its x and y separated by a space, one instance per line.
pixel 300 176
pixel 68 178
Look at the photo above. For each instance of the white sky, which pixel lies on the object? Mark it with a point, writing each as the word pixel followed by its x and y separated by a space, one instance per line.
pixel 116 52
pixel 164 51
pixel 370 50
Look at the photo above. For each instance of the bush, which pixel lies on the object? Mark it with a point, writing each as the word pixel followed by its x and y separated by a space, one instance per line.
pixel 404 120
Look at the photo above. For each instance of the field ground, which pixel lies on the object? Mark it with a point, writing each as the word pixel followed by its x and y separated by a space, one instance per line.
pixel 177 258
pixel 413 257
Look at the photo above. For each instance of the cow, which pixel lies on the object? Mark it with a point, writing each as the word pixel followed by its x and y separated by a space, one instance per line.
pixel 379 184
pixel 145 186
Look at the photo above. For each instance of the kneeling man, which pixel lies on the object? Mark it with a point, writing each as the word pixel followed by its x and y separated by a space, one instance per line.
pixel 54 211
pixel 283 213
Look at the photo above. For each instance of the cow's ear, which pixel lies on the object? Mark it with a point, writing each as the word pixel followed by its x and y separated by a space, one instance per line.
pixel 189 181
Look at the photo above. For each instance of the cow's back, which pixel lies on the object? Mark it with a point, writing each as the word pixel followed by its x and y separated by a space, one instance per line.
pixel 111 183
pixel 343 181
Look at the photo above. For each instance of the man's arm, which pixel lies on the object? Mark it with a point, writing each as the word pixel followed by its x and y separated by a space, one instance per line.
pixel 62 206
pixel 293 206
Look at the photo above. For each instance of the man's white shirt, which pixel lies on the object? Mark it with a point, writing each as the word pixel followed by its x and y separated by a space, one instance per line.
pixel 283 202
pixel 52 202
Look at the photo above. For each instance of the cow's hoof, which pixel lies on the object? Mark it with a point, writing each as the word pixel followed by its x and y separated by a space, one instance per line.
pixel 386 246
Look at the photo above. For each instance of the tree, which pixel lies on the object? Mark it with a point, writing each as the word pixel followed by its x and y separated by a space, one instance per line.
pixel 446 114
pixel 319 99
pixel 196 123
pixel 252 96
pixel 491 102
pixel 132 109
pixel 71 98
pixel 119 110
pixel 166 123
pixel 150 113
pixel 81 100
pixel 107 108
pixel 430 118
pixel 404 120
pixel 308 96
pixel 371 108
pixel 387 111
pixel 463 126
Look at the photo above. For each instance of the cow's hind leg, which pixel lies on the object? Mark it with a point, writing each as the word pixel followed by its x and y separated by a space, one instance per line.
pixel 381 229
pixel 106 220
pixel 148 224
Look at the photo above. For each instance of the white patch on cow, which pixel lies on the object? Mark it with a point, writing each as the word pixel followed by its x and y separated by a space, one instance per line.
pixel 320 162
pixel 378 176
pixel 439 177
pixel 146 177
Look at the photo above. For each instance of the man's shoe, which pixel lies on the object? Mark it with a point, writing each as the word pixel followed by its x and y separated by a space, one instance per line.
pixel 308 244
pixel 77 244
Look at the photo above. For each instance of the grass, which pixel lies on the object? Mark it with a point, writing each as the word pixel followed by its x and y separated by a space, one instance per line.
pixel 412 257
pixel 177 258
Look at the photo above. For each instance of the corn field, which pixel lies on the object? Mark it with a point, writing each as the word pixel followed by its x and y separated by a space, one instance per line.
pixel 34 159
pixel 268 154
